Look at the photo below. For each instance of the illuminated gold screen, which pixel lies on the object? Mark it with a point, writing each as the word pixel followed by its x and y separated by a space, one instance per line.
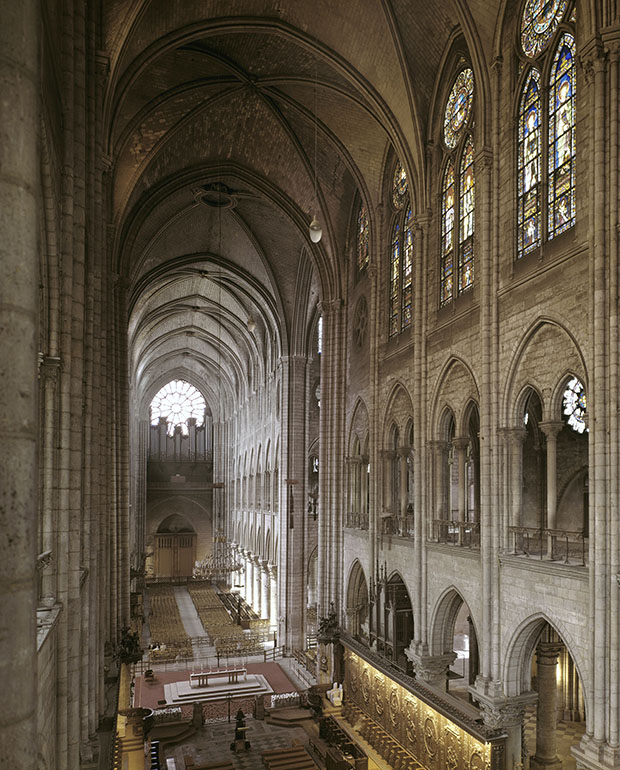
pixel 431 738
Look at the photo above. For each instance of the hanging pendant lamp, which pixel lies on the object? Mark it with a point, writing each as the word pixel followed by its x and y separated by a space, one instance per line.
pixel 316 231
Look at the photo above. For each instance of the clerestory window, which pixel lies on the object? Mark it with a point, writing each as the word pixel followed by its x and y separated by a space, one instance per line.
pixel 546 124
pixel 401 256
pixel 458 192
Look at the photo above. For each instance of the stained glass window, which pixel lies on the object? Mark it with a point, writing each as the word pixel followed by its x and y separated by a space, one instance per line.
pixel 447 234
pixel 362 238
pixel 178 401
pixel 561 201
pixel 407 272
pixel 319 335
pixel 458 107
pixel 466 218
pixel 530 147
pixel 574 405
pixel 394 280
pixel 400 186
pixel 401 257
pixel 538 23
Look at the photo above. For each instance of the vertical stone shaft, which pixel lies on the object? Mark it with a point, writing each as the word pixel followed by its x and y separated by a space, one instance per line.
pixel 403 453
pixel 374 419
pixel 19 258
pixel 264 575
pixel 488 558
pixel 547 654
pixel 551 430
pixel 614 422
pixel 460 445
pixel 517 436
pixel 421 437
pixel 598 415
pixel 331 450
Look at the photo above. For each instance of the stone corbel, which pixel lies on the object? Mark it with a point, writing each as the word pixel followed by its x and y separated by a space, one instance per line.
pixel 44 560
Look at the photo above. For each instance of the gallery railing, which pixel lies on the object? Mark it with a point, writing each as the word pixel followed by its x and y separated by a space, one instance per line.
pixel 398 526
pixel 357 520
pixel 464 534
pixel 559 545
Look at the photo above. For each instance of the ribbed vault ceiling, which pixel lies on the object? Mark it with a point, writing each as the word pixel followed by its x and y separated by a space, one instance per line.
pixel 243 109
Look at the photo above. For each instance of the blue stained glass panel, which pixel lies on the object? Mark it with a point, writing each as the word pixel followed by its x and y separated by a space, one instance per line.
pixel 447 234
pixel 561 197
pixel 529 158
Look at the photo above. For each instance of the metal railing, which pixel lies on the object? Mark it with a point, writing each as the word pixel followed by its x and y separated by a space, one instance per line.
pixel 464 534
pixel 306 659
pixel 398 526
pixel 558 545
pixel 357 520
pixel 207 661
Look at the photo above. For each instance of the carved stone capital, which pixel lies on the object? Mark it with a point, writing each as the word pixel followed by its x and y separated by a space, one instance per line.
pixel 593 60
pixel 430 668
pixel 551 428
pixel 499 712
pixel 331 306
pixel 438 445
pixel 461 443
pixel 483 161
pixel 514 436
pixel 49 367
pixel 547 653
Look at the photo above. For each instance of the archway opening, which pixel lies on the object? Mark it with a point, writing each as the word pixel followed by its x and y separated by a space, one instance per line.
pixel 556 720
pixel 357 615
pixel 175 547
pixel 465 668
pixel 391 621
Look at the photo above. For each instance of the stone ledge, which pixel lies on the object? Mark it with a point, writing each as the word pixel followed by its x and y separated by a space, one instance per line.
pixel 546 567
pixel 454 550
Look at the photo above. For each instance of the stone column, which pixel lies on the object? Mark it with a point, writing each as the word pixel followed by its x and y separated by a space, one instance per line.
pixel 163 437
pixel 551 430
pixel 249 579
pixel 461 444
pixel 257 589
pixel 403 453
pixel 364 483
pixel 265 590
pixel 273 598
pixel 439 449
pixel 332 449
pixel 354 486
pixel 48 375
pixel 516 438
pixel 19 279
pixel 385 479
pixel 506 714
pixel 546 758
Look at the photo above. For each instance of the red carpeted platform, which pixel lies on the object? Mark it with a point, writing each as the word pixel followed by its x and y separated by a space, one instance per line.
pixel 148 692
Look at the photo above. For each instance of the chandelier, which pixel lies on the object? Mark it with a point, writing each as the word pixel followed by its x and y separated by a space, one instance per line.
pixel 219 564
